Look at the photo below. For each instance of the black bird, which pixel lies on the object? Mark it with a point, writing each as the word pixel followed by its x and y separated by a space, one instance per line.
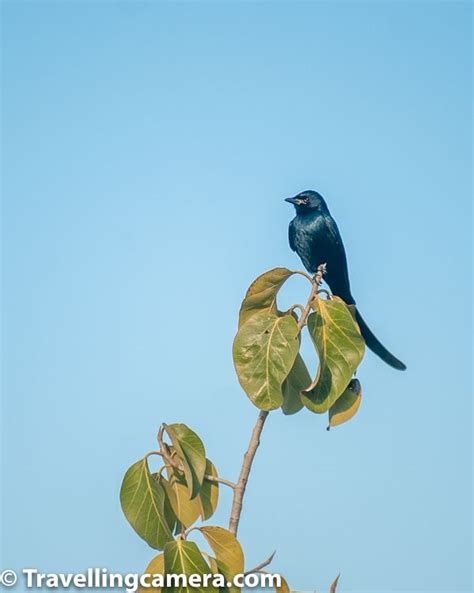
pixel 314 235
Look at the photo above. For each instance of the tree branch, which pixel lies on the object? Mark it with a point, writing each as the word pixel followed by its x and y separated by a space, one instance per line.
pixel 259 567
pixel 239 490
pixel 240 486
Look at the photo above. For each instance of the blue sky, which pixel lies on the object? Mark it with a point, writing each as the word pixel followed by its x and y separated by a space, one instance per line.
pixel 147 149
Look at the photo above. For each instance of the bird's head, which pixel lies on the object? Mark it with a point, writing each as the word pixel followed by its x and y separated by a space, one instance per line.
pixel 308 201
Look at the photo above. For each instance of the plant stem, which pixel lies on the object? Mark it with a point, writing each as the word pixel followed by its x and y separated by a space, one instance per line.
pixel 239 489
pixel 316 281
pixel 219 481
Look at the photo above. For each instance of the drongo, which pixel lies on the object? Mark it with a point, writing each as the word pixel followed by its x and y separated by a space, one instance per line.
pixel 314 235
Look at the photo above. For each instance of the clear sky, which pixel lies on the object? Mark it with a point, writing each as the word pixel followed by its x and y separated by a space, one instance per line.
pixel 147 149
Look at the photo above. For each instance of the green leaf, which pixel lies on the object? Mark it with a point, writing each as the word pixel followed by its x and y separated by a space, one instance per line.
pixel 156 566
pixel 340 347
pixel 262 293
pixel 170 515
pixel 191 453
pixel 185 509
pixel 178 529
pixel 346 406
pixel 264 351
pixel 143 499
pixel 209 493
pixel 228 551
pixel 184 557
pixel 293 385
pixel 217 569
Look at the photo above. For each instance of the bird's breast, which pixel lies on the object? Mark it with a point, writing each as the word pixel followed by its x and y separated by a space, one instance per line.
pixel 309 241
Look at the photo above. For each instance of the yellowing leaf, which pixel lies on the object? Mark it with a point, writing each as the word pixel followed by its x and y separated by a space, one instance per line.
pixel 143 499
pixel 209 493
pixel 283 588
pixel 227 550
pixel 346 406
pixel 262 293
pixel 340 347
pixel 191 453
pixel 213 564
pixel 297 380
pixel 264 351
pixel 156 566
pixel 185 509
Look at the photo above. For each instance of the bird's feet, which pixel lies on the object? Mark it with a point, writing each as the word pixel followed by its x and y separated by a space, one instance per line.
pixel 317 278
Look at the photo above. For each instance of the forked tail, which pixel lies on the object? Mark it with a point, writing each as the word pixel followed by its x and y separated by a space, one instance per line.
pixel 377 347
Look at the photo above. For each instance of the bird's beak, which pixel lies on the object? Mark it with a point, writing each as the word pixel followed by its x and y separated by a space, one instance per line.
pixel 294 201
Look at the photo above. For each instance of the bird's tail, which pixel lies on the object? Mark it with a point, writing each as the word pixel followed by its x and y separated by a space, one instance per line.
pixel 376 346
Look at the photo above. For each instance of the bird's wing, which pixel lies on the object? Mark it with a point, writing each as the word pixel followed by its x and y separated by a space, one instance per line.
pixel 338 277
pixel 333 231
pixel 291 236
